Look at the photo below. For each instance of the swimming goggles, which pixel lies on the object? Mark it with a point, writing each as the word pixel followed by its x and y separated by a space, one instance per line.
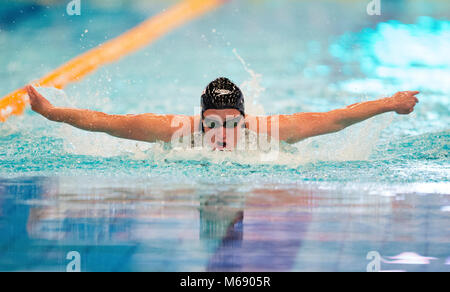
pixel 228 124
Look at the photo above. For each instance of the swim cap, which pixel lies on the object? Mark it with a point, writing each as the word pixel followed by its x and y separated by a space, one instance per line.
pixel 222 94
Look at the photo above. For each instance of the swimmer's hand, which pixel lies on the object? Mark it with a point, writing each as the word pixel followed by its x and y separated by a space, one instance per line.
pixel 403 102
pixel 38 103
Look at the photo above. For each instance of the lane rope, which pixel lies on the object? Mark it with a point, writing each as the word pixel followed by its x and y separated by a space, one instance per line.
pixel 111 51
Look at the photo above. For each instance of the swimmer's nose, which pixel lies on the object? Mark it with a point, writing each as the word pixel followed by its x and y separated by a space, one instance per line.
pixel 223 136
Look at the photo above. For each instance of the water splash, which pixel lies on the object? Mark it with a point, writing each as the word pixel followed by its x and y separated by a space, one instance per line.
pixel 352 144
pixel 252 89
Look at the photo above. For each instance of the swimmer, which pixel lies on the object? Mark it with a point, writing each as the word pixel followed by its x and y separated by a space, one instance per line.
pixel 223 113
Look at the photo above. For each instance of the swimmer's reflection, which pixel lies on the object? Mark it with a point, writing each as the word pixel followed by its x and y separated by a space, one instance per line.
pixel 254 238
pixel 258 231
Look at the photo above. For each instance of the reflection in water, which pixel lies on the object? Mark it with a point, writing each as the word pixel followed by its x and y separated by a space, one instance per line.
pixel 257 240
pixel 260 244
pixel 144 228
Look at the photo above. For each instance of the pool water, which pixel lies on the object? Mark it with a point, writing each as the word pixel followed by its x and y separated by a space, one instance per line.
pixel 381 186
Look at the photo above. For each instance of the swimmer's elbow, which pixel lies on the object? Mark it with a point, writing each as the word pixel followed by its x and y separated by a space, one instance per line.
pixel 337 127
pixel 334 122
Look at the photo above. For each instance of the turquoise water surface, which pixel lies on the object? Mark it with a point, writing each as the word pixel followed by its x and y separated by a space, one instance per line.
pixel 381 186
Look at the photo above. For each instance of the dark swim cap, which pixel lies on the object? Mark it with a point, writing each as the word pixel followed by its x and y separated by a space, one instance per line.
pixel 222 94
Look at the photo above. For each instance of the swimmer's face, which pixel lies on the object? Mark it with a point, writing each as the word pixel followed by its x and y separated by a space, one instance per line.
pixel 218 136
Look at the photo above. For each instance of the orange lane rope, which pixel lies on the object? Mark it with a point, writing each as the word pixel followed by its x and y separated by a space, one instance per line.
pixel 138 37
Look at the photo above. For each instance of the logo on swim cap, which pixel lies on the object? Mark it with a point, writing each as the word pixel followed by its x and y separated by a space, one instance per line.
pixel 222 92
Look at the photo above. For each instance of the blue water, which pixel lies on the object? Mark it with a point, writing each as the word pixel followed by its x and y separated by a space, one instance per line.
pixel 379 186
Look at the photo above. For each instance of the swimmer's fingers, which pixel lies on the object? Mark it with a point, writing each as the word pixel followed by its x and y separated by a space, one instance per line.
pixel 32 93
pixel 413 95
pixel 406 95
pixel 38 103
pixel 411 108
pixel 29 90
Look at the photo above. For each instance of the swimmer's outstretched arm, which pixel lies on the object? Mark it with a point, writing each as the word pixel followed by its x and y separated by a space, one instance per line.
pixel 296 127
pixel 145 127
